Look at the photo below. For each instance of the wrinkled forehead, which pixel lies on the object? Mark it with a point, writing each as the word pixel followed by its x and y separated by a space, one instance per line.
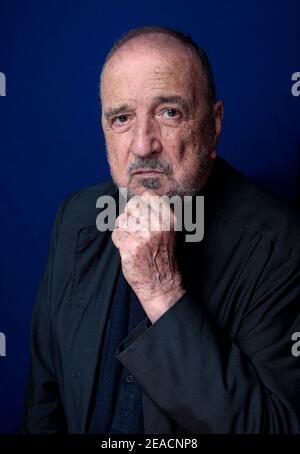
pixel 156 61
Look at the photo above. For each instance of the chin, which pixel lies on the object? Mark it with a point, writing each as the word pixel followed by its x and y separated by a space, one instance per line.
pixel 143 184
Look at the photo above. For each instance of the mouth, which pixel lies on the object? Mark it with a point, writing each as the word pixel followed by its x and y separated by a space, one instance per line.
pixel 147 172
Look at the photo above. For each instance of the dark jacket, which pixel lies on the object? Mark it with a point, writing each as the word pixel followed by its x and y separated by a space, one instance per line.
pixel 218 361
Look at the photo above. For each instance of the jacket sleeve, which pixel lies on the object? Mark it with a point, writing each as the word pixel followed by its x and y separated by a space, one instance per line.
pixel 207 381
pixel 43 412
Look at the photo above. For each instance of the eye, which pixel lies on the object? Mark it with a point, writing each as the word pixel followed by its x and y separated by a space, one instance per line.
pixel 120 120
pixel 171 112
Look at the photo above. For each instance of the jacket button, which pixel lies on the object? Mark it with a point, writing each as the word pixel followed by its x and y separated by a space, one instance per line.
pixel 129 378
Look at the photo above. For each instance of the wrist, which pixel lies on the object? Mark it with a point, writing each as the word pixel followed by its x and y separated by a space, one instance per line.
pixel 156 305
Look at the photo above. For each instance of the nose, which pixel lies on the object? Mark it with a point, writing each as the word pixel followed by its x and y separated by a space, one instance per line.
pixel 146 138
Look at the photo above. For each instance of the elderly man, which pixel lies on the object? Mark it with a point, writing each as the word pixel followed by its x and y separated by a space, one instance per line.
pixel 140 331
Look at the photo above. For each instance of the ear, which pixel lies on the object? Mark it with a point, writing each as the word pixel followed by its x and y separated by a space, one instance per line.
pixel 218 115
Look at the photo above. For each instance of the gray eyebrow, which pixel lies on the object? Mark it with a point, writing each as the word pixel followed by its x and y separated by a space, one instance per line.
pixel 174 100
pixel 115 111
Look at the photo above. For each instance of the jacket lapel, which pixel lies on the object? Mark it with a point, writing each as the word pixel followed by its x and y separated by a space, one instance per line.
pixel 96 267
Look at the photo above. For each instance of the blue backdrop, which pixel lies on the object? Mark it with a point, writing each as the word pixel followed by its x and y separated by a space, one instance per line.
pixel 51 143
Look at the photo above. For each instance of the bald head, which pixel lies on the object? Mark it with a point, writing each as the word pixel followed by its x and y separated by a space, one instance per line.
pixel 169 41
pixel 160 54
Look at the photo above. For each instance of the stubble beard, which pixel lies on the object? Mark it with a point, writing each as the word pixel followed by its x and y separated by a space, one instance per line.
pixel 189 187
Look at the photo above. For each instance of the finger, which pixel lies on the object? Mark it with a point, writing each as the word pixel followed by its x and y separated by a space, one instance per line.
pixel 134 222
pixel 163 218
pixel 135 205
pixel 136 215
pixel 119 237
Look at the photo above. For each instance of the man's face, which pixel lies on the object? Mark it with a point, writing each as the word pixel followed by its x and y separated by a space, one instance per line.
pixel 159 131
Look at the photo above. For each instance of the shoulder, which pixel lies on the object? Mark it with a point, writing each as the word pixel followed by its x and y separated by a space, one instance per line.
pixel 245 206
pixel 80 208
